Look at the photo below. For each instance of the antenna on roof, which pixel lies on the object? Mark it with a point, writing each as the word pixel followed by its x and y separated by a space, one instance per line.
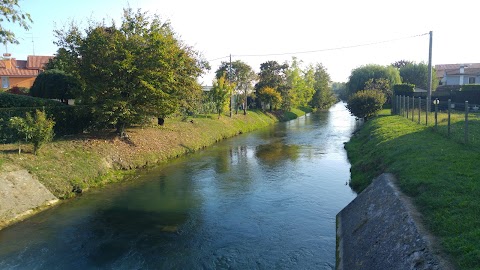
pixel 33 42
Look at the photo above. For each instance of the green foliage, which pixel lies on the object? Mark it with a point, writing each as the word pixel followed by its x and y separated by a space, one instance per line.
pixel 382 85
pixel 361 75
pixel 403 89
pixel 268 95
pixel 340 89
pixel 242 75
pixel 19 90
pixel 56 84
pixel 10 12
pixel 301 83
pixel 323 97
pixel 38 129
pixel 273 75
pixel 366 103
pixel 417 74
pixel 220 94
pixel 131 72
pixel 470 87
pixel 8 100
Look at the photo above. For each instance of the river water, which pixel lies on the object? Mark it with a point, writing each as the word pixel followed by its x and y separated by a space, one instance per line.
pixel 263 200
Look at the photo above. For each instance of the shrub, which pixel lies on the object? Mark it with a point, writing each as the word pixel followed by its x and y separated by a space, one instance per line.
pixel 19 90
pixel 56 84
pixel 403 89
pixel 38 129
pixel 366 103
pixel 470 87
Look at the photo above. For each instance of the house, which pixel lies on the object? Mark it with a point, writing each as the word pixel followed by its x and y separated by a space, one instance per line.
pixel 21 73
pixel 458 74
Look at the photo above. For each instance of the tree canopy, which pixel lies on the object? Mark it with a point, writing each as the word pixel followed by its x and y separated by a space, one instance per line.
pixel 10 12
pixel 417 74
pixel 242 75
pixel 361 75
pixel 131 72
pixel 323 97
pixel 273 75
pixel 56 84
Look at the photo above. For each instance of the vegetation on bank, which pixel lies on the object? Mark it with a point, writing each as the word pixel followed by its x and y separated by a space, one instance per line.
pixel 439 174
pixel 73 164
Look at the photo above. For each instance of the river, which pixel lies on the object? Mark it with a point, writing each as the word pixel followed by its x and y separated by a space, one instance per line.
pixel 263 200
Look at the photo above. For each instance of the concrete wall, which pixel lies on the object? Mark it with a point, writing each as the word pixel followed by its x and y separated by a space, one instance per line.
pixel 380 229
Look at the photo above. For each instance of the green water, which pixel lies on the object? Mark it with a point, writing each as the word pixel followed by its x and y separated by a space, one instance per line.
pixel 264 200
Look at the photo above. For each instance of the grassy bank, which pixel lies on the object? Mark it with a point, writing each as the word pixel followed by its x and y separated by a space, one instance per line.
pixel 440 174
pixel 91 160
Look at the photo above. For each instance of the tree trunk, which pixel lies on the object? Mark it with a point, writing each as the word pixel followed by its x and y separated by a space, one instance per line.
pixel 121 130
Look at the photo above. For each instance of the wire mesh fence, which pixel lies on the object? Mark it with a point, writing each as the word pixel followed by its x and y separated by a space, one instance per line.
pixel 457 121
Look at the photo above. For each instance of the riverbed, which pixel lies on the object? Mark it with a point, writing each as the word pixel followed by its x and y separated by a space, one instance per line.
pixel 262 200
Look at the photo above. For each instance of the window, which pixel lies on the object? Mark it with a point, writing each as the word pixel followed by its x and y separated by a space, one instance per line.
pixel 5 83
pixel 471 80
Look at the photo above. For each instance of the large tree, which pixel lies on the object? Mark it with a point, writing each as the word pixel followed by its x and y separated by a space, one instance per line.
pixel 10 12
pixel 417 74
pixel 242 75
pixel 273 75
pixel 361 75
pixel 301 83
pixel 131 72
pixel 323 97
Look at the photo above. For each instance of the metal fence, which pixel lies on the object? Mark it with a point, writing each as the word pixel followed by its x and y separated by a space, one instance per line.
pixel 458 121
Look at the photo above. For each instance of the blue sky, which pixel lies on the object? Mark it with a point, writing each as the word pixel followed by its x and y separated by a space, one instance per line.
pixel 219 28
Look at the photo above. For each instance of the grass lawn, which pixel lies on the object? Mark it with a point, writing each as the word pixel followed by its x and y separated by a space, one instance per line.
pixel 441 175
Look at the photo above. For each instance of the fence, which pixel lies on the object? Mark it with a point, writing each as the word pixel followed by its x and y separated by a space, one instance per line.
pixel 458 121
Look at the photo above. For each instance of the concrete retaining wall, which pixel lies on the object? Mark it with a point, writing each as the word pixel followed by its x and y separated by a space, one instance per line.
pixel 380 229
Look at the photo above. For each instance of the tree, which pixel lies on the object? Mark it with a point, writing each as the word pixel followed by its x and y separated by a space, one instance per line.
pixel 273 75
pixel 301 83
pixel 11 13
pixel 361 75
pixel 340 89
pixel 323 97
pixel 220 93
pixel 131 72
pixel 382 85
pixel 401 63
pixel 365 104
pixel 270 96
pixel 417 74
pixel 56 84
pixel 242 75
pixel 38 129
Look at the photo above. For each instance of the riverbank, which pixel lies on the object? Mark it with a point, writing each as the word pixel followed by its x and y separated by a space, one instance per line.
pixel 440 175
pixel 70 165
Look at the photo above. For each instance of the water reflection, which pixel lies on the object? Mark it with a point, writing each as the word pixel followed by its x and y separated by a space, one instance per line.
pixel 262 200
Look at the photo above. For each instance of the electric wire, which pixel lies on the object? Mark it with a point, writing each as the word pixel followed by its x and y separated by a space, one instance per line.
pixel 321 50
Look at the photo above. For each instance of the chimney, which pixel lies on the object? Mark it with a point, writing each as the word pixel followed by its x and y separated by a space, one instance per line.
pixel 7 60
pixel 462 69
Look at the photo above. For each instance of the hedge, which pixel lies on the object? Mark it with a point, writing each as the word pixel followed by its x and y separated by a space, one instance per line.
pixel 403 89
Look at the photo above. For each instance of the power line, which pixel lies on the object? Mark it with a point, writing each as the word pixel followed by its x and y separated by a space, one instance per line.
pixel 323 50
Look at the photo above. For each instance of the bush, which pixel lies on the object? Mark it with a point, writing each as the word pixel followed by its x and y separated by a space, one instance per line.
pixel 38 129
pixel 56 84
pixel 19 90
pixel 470 87
pixel 10 100
pixel 403 89
pixel 366 104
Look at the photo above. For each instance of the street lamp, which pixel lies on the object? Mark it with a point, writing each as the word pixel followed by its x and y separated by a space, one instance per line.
pixel 436 101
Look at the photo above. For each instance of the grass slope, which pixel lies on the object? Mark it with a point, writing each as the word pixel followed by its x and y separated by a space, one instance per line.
pixel 87 161
pixel 441 175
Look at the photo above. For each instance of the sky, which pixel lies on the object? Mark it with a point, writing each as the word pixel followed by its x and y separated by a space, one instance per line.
pixel 396 30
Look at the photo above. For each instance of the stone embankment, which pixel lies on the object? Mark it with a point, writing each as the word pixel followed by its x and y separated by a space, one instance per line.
pixel 381 229
pixel 21 195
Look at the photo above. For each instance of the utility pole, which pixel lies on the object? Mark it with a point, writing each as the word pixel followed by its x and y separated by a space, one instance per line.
pixel 429 74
